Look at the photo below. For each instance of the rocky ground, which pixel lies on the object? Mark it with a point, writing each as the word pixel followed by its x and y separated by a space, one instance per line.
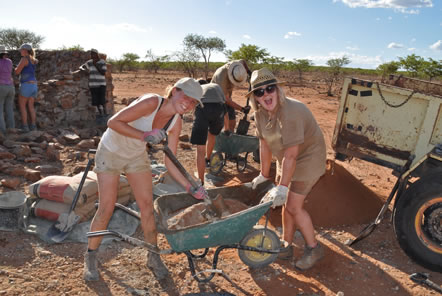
pixel 346 200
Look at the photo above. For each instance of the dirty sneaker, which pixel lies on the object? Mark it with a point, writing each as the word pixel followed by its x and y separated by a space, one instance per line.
pixel 285 251
pixel 310 257
pixel 24 128
pixel 90 266
pixel 157 266
pixel 33 127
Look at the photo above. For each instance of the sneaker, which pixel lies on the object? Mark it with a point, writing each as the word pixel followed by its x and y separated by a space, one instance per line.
pixel 157 266
pixel 24 128
pixel 33 127
pixel 285 251
pixel 90 272
pixel 310 257
pixel 207 163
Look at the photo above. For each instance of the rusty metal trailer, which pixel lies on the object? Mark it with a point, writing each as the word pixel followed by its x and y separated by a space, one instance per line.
pixel 398 124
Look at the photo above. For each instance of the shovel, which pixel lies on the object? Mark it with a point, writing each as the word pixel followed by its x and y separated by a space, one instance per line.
pixel 243 125
pixel 66 221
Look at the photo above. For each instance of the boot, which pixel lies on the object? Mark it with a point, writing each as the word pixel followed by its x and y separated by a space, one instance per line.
pixel 310 257
pixel 157 266
pixel 90 266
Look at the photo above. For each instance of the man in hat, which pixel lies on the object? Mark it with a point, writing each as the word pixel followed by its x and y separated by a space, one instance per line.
pixel 96 67
pixel 228 76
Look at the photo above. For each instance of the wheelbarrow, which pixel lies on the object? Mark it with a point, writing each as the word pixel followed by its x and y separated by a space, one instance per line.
pixel 257 245
pixel 230 148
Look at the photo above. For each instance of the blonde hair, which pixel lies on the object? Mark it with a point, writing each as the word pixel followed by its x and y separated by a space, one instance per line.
pixel 31 54
pixel 281 98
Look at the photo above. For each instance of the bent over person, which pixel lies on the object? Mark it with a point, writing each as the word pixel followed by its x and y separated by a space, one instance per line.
pixel 288 131
pixel 123 149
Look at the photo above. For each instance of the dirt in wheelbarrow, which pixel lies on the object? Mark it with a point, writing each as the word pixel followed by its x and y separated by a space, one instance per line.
pixel 346 199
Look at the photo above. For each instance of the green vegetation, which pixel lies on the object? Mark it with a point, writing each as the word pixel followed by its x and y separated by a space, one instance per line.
pixel 14 38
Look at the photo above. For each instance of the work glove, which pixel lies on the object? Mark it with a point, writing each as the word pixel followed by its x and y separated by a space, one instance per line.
pixel 246 109
pixel 258 180
pixel 199 192
pixel 154 136
pixel 278 195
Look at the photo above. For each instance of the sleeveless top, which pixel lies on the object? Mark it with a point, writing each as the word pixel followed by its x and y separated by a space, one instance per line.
pixel 28 72
pixel 127 147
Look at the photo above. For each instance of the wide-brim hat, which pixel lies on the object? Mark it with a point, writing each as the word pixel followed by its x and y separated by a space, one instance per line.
pixel 191 88
pixel 237 73
pixel 261 78
pixel 26 46
pixel 3 49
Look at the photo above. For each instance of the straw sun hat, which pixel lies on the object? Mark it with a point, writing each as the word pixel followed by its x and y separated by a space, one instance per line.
pixel 262 77
pixel 237 73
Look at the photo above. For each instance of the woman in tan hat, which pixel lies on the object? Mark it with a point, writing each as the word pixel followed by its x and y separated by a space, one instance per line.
pixel 28 86
pixel 7 92
pixel 288 131
pixel 228 76
pixel 123 149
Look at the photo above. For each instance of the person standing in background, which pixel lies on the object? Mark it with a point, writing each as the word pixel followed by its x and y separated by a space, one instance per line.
pixel 28 86
pixel 7 92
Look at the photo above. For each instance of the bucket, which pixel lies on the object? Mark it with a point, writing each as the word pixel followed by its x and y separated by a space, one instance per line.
pixel 13 211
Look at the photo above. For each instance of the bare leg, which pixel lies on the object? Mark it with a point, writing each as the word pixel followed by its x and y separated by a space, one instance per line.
pixel 210 144
pixel 30 103
pixel 232 123
pixel 294 215
pixel 23 111
pixel 201 161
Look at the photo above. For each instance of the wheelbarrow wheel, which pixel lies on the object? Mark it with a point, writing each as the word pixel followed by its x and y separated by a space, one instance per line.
pixel 259 237
pixel 241 163
pixel 216 163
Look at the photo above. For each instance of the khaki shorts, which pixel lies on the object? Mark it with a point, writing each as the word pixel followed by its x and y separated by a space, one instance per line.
pixel 301 187
pixel 112 163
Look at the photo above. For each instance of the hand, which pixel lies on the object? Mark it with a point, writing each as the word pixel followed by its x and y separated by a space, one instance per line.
pixel 258 180
pixel 227 133
pixel 198 192
pixel 278 195
pixel 246 109
pixel 154 136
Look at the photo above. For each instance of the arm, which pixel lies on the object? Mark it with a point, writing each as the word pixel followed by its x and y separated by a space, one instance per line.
pixel 232 104
pixel 173 138
pixel 120 121
pixel 288 165
pixel 265 155
pixel 23 63
pixel 99 67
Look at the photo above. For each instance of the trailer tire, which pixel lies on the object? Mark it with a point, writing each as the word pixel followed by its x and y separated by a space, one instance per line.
pixel 254 239
pixel 417 221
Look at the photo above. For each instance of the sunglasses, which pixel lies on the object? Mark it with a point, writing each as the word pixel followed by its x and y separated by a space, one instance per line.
pixel 260 91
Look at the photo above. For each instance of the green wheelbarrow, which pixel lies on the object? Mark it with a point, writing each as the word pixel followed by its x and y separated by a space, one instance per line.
pixel 257 245
pixel 233 147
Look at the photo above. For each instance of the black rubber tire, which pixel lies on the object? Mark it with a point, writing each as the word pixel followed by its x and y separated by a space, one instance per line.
pixel 254 239
pixel 241 163
pixel 417 221
pixel 216 163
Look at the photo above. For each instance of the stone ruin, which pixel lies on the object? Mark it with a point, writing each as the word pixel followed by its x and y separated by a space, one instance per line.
pixel 63 99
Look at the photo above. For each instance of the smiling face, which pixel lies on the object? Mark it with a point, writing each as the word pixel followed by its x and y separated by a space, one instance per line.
pixel 183 103
pixel 267 96
pixel 24 52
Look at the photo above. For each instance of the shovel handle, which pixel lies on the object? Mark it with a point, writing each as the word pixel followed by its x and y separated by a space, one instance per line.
pixel 83 179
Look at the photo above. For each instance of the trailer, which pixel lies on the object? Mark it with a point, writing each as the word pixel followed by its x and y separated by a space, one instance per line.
pixel 398 124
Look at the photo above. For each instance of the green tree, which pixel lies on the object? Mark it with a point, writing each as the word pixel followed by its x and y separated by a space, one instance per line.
pixel 335 69
pixel 14 38
pixel 432 68
pixel 188 60
pixel 155 62
pixel 412 64
pixel 73 47
pixel 252 54
pixel 130 60
pixel 275 64
pixel 388 68
pixel 206 46
pixel 301 66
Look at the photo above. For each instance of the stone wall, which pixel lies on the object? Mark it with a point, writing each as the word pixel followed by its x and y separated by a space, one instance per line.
pixel 63 99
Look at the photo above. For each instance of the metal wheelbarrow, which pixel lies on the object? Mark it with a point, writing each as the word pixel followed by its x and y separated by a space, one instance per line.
pixel 257 245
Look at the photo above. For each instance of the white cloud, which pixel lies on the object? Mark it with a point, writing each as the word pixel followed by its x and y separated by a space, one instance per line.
pixel 437 45
pixel 356 59
pixel 395 45
pixel 390 18
pixel 212 32
pixel 404 6
pixel 245 36
pixel 123 27
pixel 378 19
pixel 413 40
pixel 352 48
pixel 290 35
pixel 411 49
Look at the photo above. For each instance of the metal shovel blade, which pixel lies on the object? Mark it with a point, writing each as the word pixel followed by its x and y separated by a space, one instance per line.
pixel 60 230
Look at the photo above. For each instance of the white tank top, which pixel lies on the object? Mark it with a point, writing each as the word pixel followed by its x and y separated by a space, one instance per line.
pixel 127 147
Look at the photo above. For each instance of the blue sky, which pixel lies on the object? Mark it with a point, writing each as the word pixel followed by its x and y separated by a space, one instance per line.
pixel 369 32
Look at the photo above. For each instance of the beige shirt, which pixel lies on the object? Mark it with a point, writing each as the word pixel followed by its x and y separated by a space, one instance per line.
pixel 221 78
pixel 293 125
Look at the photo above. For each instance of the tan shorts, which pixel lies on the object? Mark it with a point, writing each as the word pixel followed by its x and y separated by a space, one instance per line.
pixel 303 187
pixel 112 163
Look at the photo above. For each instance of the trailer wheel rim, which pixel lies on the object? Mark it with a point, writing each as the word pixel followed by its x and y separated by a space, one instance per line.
pixel 428 224
pixel 255 242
